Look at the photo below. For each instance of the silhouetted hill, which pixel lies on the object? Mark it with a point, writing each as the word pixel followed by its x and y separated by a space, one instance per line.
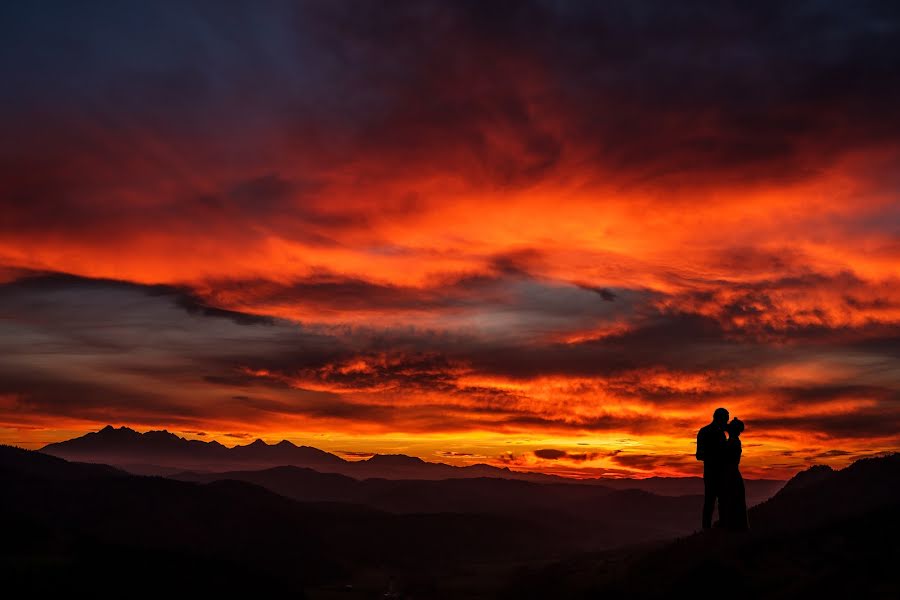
pixel 828 534
pixel 757 489
pixel 23 463
pixel 818 495
pixel 70 528
pixel 395 460
pixel 585 515
pixel 810 476
pixel 163 453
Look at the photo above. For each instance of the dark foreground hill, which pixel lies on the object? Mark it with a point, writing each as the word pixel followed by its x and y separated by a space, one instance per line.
pixel 71 528
pixel 828 534
pixel 164 453
pixel 581 516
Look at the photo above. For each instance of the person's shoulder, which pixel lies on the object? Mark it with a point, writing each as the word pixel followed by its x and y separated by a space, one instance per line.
pixel 705 429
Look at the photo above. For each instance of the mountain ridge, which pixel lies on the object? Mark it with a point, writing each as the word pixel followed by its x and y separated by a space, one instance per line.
pixel 160 452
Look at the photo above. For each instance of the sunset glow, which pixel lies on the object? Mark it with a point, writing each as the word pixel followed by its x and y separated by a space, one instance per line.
pixel 410 228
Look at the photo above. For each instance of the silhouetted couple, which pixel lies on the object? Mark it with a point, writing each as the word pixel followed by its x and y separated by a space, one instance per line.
pixel 722 479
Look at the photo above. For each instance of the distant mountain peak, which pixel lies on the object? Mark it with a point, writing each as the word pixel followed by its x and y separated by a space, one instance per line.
pixel 111 433
pixel 122 429
pixel 161 434
pixel 258 443
pixel 395 460
pixel 285 444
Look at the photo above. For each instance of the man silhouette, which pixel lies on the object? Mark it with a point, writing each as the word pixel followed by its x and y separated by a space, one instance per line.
pixel 710 444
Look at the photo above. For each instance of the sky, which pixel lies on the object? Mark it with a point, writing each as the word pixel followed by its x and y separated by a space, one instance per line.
pixel 553 236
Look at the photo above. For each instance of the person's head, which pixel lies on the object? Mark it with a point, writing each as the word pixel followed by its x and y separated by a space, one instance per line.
pixel 736 427
pixel 720 417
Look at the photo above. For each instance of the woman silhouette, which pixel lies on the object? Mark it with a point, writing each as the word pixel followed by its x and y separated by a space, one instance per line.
pixel 733 501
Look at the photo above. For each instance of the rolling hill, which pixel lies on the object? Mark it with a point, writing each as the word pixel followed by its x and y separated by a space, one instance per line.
pixel 586 516
pixel 70 527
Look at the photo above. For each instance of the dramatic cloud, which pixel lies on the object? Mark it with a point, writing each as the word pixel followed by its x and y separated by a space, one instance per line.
pixel 455 229
pixel 351 454
pixel 552 454
pixel 652 462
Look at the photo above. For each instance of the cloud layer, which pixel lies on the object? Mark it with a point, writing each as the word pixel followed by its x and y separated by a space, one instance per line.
pixel 551 235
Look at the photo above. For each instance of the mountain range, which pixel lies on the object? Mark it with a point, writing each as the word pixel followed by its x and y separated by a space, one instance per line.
pixel 290 530
pixel 69 526
pixel 164 453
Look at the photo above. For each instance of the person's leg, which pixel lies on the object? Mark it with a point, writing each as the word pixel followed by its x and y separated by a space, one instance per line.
pixel 743 523
pixel 726 505
pixel 710 492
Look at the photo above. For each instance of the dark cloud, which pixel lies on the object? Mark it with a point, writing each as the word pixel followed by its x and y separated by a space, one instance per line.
pixel 550 454
pixel 527 301
pixel 603 292
pixel 509 458
pixel 634 424
pixel 833 454
pixel 35 284
pixel 356 454
pixel 879 341
pixel 816 394
pixel 650 462
pixel 38 393
pixel 343 293
pixel 677 341
pixel 195 306
pixel 843 417
pixel 628 88
pixel 635 82
pixel 553 454
pixel 879 422
pixel 236 380
pixel 454 453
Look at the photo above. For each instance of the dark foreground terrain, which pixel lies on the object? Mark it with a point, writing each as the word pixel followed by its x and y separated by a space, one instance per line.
pixel 74 527
pixel 827 534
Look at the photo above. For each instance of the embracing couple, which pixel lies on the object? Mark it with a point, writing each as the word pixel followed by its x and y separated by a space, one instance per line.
pixel 722 479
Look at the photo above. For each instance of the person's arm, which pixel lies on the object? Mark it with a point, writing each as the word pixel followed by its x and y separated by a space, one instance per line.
pixel 700 449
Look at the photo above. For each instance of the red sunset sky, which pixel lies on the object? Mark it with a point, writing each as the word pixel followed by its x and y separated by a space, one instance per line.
pixel 553 237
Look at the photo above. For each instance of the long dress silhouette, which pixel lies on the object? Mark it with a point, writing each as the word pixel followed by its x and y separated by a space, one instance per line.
pixel 733 500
